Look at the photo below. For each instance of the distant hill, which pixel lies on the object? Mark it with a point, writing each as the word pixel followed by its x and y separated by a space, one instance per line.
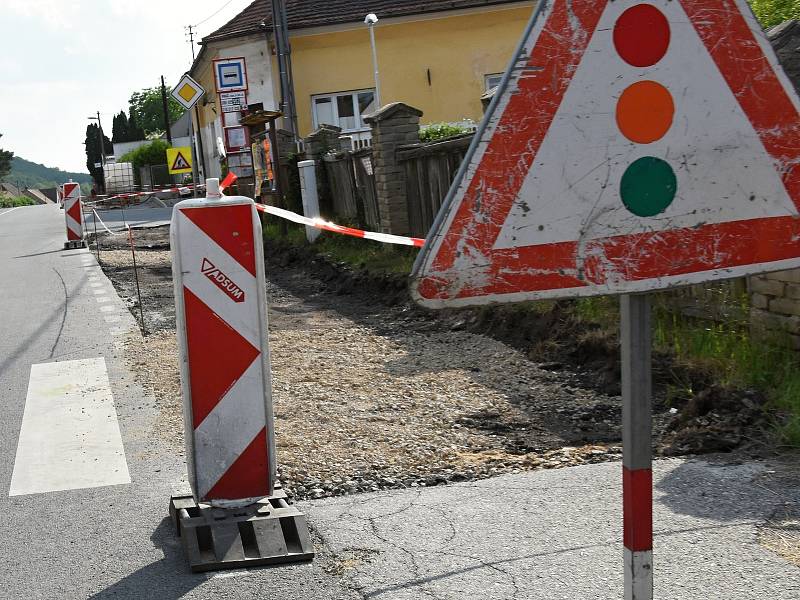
pixel 33 175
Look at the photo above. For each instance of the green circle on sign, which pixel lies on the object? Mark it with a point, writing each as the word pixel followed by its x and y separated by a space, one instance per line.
pixel 648 186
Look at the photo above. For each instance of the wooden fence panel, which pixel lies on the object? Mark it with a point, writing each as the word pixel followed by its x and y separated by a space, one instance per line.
pixel 339 168
pixel 365 186
pixel 430 170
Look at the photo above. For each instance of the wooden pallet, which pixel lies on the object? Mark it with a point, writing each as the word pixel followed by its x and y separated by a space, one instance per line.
pixel 266 533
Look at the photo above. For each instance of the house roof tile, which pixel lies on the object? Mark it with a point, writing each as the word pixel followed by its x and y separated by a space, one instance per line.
pixel 303 14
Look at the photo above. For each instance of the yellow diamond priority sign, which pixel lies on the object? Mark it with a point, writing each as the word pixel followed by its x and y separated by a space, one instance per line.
pixel 188 92
pixel 179 160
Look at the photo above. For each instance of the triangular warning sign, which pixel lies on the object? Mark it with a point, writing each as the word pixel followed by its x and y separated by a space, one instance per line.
pixel 634 146
pixel 180 163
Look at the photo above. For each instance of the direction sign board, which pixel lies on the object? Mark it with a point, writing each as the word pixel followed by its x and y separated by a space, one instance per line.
pixel 631 147
pixel 188 92
pixel 230 74
pixel 179 160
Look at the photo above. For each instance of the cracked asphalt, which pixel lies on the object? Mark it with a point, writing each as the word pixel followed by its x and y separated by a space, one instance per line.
pixel 557 534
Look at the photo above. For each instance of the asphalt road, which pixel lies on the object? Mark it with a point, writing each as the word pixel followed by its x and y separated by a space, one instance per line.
pixel 104 542
pixel 542 535
pixel 118 219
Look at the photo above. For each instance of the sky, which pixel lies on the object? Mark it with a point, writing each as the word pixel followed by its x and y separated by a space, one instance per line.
pixel 61 61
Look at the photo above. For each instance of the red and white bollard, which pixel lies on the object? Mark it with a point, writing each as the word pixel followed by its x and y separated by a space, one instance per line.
pixel 235 517
pixel 73 214
pixel 220 299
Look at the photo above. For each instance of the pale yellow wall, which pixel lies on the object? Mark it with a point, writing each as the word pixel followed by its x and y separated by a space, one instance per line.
pixel 459 50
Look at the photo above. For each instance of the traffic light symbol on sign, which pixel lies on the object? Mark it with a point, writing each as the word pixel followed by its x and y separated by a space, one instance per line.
pixel 645 110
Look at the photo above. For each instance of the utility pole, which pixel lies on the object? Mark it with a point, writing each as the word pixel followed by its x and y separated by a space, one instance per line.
pixel 165 104
pixel 197 132
pixel 102 140
pixel 280 31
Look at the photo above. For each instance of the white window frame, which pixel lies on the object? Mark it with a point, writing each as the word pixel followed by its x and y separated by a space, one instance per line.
pixel 360 125
pixel 489 76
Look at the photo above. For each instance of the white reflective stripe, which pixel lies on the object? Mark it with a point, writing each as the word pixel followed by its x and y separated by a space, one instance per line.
pixel 74 226
pixel 230 428
pixel 195 245
pixel 386 238
pixel 638 575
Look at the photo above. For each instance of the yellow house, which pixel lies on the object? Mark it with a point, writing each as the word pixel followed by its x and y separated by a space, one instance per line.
pixel 439 56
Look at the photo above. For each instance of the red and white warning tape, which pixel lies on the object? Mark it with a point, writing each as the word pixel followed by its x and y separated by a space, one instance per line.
pixel 328 226
pixel 184 189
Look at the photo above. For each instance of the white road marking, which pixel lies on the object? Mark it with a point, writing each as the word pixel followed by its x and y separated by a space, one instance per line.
pixel 109 308
pixel 112 318
pixel 70 437
pixel 99 291
pixel 9 211
pixel 95 283
pixel 102 299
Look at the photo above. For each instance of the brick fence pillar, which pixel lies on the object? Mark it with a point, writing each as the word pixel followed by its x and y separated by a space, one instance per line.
pixel 393 126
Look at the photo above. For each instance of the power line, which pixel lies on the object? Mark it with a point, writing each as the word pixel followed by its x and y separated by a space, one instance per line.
pixel 219 10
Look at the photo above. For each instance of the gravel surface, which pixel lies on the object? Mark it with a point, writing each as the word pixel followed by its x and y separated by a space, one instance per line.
pixel 370 397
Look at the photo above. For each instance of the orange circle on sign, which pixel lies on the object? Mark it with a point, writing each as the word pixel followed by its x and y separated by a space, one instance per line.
pixel 645 112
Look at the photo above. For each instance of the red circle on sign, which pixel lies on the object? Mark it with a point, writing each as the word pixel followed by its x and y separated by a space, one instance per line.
pixel 641 35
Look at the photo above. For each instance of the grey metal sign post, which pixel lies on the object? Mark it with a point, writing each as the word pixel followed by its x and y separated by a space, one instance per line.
pixel 637 453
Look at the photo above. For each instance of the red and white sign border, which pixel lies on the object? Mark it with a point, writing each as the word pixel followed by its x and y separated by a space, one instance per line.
pixel 550 271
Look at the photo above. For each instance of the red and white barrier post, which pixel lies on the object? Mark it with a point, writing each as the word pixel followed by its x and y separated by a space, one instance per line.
pixel 637 457
pixel 220 298
pixel 235 516
pixel 73 214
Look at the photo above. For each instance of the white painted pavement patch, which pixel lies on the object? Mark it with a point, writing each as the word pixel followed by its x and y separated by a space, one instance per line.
pixel 70 437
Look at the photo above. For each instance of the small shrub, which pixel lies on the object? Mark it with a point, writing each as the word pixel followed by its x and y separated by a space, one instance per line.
pixel 15 201
pixel 440 131
pixel 154 153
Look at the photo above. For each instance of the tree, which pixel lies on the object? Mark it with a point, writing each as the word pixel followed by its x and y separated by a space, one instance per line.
pixel 5 161
pixel 93 151
pixel 146 106
pixel 119 128
pixel 135 133
pixel 774 12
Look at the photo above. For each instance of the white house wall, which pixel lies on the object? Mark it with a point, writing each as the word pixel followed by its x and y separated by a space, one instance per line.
pixel 260 89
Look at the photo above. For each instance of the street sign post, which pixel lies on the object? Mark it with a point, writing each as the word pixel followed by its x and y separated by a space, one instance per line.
pixel 188 92
pixel 631 147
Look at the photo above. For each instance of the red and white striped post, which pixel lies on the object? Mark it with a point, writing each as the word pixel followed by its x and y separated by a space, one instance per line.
pixel 73 214
pixel 220 299
pixel 637 458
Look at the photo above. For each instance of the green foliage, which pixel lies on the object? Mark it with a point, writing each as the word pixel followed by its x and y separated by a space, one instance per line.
pixel 125 129
pixel 5 161
pixel 15 201
pixel 440 131
pixel 27 174
pixel 94 152
pixel 774 12
pixel 153 153
pixel 147 110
